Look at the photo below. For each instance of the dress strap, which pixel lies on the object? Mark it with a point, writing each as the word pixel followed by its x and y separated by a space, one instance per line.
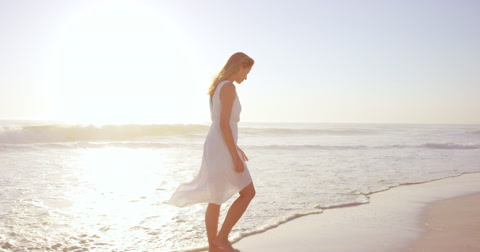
pixel 216 93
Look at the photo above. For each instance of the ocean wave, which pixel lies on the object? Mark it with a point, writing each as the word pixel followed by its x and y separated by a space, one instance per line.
pixel 170 144
pixel 451 146
pixel 314 147
pixel 76 133
pixel 309 131
pixel 360 147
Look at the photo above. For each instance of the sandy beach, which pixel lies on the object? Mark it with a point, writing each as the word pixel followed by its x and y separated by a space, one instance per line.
pixel 451 225
pixel 442 215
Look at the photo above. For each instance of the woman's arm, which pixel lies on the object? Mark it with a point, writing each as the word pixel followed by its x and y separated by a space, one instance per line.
pixel 228 96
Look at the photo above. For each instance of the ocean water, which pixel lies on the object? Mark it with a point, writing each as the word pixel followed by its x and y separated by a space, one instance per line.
pixel 104 188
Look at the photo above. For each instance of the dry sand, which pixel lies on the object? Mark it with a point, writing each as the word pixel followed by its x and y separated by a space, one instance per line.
pixel 394 220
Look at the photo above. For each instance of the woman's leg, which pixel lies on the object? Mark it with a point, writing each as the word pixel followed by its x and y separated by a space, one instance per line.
pixel 211 223
pixel 233 215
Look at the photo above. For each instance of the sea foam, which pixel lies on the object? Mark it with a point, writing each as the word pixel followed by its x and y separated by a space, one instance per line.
pixel 105 187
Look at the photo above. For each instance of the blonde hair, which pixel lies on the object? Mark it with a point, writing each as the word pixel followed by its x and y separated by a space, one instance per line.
pixel 232 65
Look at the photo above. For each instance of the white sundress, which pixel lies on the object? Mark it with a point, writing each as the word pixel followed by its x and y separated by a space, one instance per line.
pixel 217 180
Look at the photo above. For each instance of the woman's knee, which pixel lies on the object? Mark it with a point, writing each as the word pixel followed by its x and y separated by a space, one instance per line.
pixel 252 194
pixel 248 192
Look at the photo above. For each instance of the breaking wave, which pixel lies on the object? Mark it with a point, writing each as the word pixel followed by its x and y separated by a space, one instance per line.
pixel 76 133
pixel 310 131
pixel 359 147
pixel 451 146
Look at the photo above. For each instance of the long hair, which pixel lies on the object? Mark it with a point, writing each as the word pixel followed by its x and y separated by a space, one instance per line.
pixel 229 69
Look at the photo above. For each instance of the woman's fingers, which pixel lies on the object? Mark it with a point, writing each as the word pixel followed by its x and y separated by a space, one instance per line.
pixel 239 166
pixel 244 157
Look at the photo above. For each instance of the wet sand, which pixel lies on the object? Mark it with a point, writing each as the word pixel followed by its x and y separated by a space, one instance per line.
pixel 399 219
pixel 451 225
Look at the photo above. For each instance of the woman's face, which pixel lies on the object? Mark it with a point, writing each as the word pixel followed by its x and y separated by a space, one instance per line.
pixel 242 74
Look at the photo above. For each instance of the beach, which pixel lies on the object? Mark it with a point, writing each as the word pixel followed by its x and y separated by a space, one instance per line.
pixel 443 215
pixel 105 188
pixel 451 225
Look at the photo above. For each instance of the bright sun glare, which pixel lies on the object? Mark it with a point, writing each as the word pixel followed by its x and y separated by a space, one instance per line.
pixel 120 62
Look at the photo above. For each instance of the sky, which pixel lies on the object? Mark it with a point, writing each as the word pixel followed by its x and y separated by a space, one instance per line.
pixel 146 61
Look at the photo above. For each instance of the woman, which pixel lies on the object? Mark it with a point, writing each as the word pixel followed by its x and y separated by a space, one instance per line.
pixel 223 172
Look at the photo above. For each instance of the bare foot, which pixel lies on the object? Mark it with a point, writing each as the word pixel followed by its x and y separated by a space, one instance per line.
pixel 224 245
pixel 213 248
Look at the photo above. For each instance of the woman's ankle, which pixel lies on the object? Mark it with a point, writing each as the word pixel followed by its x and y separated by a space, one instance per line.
pixel 220 239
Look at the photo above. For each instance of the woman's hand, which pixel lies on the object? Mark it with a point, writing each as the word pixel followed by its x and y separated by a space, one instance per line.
pixel 238 163
pixel 244 157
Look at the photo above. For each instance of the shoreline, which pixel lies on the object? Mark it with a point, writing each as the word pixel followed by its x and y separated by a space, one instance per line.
pixel 392 221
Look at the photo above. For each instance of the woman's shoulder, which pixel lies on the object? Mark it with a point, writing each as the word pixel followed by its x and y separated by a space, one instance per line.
pixel 228 89
pixel 226 85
